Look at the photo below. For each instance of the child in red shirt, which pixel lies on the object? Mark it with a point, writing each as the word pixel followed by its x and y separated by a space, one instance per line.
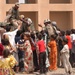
pixel 42 54
pixel 69 39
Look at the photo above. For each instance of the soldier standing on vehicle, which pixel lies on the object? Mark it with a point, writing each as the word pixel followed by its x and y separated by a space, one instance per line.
pixel 13 15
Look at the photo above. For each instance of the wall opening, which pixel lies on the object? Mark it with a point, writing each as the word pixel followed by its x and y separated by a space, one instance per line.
pixel 60 1
pixel 21 1
pixel 64 19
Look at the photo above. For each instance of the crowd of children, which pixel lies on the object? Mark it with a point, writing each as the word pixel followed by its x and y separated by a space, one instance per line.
pixel 32 55
pixel 27 52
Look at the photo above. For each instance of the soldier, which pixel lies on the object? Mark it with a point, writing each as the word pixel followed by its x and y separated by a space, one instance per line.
pixel 48 27
pixel 54 24
pixel 26 24
pixel 13 15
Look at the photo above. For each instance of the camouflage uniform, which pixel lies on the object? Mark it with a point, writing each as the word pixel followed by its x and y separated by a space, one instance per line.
pixel 27 25
pixel 12 17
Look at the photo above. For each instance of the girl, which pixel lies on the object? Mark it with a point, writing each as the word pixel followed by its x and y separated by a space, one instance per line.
pixel 53 53
pixel 7 63
pixel 7 45
pixel 28 53
pixel 65 57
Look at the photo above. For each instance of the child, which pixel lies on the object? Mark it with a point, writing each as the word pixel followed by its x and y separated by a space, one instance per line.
pixel 28 62
pixel 7 63
pixel 20 45
pixel 7 45
pixel 65 57
pixel 42 54
pixel 53 53
pixel 68 37
pixel 1 49
pixel 34 50
pixel 47 50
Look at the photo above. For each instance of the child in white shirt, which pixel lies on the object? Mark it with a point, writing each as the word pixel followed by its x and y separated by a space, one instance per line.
pixel 65 57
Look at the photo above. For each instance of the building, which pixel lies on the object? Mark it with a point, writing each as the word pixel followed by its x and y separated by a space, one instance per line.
pixel 61 11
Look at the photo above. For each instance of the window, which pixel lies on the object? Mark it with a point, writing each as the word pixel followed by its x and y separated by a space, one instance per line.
pixel 21 1
pixel 60 1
